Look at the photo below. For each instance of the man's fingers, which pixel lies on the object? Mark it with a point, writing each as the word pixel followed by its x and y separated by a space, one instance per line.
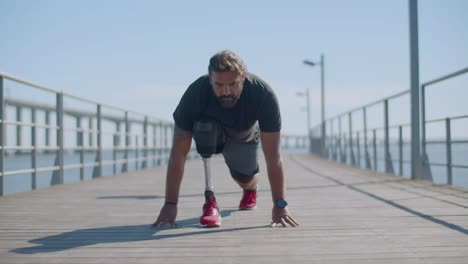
pixel 155 224
pixel 278 223
pixel 159 223
pixel 284 221
pixel 291 221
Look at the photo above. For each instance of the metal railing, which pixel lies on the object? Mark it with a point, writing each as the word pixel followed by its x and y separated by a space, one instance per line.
pixel 448 141
pixel 67 138
pixel 90 149
pixel 375 147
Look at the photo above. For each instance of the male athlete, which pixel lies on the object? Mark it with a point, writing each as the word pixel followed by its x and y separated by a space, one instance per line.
pixel 246 110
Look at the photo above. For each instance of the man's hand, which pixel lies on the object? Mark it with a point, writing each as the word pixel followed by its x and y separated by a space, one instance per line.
pixel 167 215
pixel 281 216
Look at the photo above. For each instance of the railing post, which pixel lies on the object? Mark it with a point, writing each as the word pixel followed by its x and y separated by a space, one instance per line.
pixel 358 145
pixel 341 139
pixel 332 142
pixel 2 138
pixel 34 151
pixel 345 149
pixel 47 130
pixel 366 149
pixel 137 154
pixel 145 143
pixel 161 142
pixel 59 179
pixel 154 145
pixel 116 144
pixel 351 151
pixel 423 119
pixel 388 158
pixel 19 118
pixel 99 140
pixel 78 130
pixel 448 143
pixel 400 149
pixel 374 144
pixel 80 144
pixel 127 143
pixel 91 131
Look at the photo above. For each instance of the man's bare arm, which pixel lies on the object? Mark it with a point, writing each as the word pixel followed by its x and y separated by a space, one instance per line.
pixel 180 148
pixel 272 152
pixel 175 171
pixel 271 149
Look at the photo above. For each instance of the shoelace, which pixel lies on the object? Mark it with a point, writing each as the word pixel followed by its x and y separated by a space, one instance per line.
pixel 210 207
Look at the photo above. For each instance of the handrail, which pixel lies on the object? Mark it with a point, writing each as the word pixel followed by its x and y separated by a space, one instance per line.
pixel 76 112
pixel 47 89
pixel 445 77
pixel 370 104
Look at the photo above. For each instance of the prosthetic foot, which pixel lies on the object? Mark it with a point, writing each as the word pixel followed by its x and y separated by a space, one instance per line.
pixel 210 216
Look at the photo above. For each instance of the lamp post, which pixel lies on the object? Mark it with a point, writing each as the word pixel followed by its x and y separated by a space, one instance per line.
pixel 306 94
pixel 322 90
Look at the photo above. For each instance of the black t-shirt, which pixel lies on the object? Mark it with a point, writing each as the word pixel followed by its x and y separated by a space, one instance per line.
pixel 257 102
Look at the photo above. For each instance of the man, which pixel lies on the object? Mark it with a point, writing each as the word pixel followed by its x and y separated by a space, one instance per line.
pixel 236 100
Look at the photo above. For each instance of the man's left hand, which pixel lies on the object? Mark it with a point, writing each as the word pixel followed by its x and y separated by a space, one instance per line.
pixel 280 216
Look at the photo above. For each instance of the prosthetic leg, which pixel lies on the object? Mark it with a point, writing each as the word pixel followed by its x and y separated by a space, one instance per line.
pixel 205 134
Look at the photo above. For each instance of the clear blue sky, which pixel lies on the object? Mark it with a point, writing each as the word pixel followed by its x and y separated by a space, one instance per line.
pixel 141 55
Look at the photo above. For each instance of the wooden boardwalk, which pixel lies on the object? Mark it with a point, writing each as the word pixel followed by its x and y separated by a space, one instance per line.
pixel 347 215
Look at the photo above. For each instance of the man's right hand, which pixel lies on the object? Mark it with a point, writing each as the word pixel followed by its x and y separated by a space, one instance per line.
pixel 167 215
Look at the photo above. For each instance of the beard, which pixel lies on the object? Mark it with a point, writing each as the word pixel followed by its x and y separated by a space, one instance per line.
pixel 228 101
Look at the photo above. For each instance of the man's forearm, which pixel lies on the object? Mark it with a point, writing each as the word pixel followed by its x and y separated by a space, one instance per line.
pixel 272 152
pixel 175 172
pixel 276 177
pixel 175 168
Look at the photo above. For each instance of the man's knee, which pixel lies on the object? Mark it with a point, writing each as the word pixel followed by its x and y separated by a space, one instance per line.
pixel 243 178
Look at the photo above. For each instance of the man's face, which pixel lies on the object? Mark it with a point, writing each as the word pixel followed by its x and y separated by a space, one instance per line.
pixel 227 86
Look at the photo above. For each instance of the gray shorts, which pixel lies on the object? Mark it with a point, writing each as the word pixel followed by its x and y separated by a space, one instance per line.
pixel 241 159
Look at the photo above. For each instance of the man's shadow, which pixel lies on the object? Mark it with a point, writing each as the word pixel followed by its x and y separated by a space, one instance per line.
pixel 113 234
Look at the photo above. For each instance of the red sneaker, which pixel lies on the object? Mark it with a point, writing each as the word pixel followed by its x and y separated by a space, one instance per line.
pixel 249 200
pixel 211 216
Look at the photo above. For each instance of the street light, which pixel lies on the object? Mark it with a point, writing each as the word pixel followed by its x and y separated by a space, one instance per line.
pixel 322 70
pixel 306 94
